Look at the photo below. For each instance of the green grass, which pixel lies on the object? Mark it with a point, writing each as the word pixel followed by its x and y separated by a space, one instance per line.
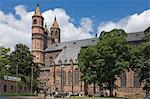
pixel 8 94
pixel 14 94
pixel 76 97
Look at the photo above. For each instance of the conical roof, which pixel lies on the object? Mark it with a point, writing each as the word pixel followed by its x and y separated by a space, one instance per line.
pixel 37 11
pixel 55 24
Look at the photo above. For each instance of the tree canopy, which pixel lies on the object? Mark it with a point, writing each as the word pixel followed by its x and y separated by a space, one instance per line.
pixel 21 61
pixel 4 60
pixel 108 58
pixel 144 51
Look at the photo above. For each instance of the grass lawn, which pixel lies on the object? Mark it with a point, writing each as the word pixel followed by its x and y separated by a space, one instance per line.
pixel 76 97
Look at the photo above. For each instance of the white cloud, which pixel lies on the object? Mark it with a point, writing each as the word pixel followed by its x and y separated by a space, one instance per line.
pixel 132 23
pixel 16 28
pixel 68 30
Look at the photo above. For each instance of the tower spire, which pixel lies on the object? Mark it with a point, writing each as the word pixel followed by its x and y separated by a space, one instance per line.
pixel 37 10
pixel 55 24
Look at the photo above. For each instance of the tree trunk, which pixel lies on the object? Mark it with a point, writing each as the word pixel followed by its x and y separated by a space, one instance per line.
pixel 111 87
pixel 94 88
pixel 85 88
pixel 147 96
pixel 101 90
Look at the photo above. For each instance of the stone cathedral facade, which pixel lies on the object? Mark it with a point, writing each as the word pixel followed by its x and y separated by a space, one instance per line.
pixel 58 60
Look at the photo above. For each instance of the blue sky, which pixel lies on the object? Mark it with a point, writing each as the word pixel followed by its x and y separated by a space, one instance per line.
pixel 98 10
pixel 78 19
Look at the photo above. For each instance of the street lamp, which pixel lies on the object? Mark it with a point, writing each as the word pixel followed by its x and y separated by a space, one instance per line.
pixel 16 80
pixel 31 79
pixel 7 68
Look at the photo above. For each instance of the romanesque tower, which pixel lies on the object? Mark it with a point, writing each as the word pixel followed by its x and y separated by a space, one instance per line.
pixel 54 35
pixel 38 37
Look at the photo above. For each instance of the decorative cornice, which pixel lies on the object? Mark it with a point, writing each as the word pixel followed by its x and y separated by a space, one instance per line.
pixel 38 26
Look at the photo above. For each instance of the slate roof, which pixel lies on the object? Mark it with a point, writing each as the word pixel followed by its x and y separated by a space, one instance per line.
pixel 77 43
pixel 70 49
pixel 137 36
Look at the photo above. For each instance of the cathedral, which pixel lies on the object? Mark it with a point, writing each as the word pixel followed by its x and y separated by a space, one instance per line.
pixel 58 60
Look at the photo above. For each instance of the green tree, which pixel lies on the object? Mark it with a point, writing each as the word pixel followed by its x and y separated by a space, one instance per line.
pixel 144 51
pixel 87 68
pixel 22 58
pixel 4 59
pixel 104 61
pixel 113 50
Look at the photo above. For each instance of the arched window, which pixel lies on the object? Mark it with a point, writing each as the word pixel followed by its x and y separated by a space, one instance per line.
pixel 52 32
pixel 69 78
pixel 123 80
pixel 50 58
pixel 64 77
pixel 58 73
pixel 56 31
pixel 34 21
pixel 136 79
pixel 76 76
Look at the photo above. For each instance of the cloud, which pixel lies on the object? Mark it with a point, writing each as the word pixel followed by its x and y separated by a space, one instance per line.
pixel 68 30
pixel 16 28
pixel 132 23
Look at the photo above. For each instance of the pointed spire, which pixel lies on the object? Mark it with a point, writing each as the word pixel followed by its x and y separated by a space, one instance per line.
pixel 55 24
pixel 37 10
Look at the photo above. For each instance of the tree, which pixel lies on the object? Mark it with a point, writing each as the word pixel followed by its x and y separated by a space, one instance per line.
pixel 22 59
pixel 109 58
pixel 85 63
pixel 113 50
pixel 144 52
pixel 4 59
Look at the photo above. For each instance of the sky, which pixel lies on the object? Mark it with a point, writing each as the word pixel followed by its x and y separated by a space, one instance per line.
pixel 78 19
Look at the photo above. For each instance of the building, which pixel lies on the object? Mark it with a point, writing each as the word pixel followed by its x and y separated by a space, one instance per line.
pixel 58 60
pixel 9 86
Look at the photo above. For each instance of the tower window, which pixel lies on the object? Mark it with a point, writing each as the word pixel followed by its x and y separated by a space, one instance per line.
pixel 34 21
pixel 52 32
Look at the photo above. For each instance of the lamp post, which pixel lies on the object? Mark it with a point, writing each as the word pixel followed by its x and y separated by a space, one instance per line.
pixel 31 79
pixel 7 68
pixel 16 80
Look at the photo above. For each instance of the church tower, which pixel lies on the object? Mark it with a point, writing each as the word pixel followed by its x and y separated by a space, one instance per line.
pixel 38 37
pixel 54 35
